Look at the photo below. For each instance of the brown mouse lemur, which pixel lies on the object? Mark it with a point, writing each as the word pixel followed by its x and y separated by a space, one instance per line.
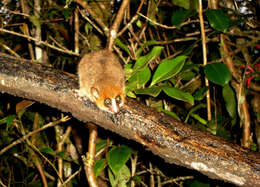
pixel 101 79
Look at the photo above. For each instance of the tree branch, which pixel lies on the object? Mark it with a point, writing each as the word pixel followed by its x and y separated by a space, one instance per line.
pixel 172 140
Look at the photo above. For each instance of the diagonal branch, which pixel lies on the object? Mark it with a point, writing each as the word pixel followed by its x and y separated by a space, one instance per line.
pixel 114 28
pixel 172 140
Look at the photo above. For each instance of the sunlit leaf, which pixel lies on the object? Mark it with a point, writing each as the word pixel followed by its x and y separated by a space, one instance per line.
pixel 139 79
pixel 112 179
pixel 99 166
pixel 152 91
pixel 123 176
pixel 199 118
pixel 144 60
pixel 149 43
pixel 117 157
pixel 139 23
pixel 168 69
pixel 88 28
pixel 179 94
pixel 172 114
pixel 130 94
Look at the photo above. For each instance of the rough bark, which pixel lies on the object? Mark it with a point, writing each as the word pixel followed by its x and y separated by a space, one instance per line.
pixel 172 140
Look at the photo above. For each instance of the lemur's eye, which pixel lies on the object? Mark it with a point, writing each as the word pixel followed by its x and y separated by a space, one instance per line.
pixel 107 102
pixel 118 99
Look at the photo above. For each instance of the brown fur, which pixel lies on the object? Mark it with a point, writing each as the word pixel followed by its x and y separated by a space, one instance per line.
pixel 102 72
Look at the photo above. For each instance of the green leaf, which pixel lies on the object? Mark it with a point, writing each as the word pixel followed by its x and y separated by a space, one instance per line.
pixel 149 43
pixel 20 113
pixel 130 94
pixel 200 119
pixel 61 155
pixel 168 69
pixel 187 76
pixel 66 12
pixel 112 179
pixel 99 166
pixel 218 19
pixel 144 60
pixel 101 144
pixel 122 46
pixel 217 73
pixel 88 28
pixel 8 120
pixel 152 91
pixel 179 94
pixel 128 70
pixel 139 23
pixel 212 127
pixel 195 108
pixel 145 44
pixel 230 100
pixel 180 16
pixel 121 178
pixel 170 113
pixel 139 79
pixel 117 157
pixel 47 150
pixel 196 183
pixel 182 3
pixel 201 93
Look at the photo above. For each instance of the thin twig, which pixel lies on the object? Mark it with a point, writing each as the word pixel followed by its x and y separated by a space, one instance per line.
pixel 9 49
pixel 57 43
pixel 72 176
pixel 25 30
pixel 20 140
pixel 177 179
pixel 91 22
pixel 165 26
pixel 204 48
pixel 134 18
pixel 34 157
pixel 76 28
pixel 40 42
pixel 94 16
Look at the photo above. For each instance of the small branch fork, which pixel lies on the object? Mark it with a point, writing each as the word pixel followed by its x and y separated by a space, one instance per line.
pixel 114 28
